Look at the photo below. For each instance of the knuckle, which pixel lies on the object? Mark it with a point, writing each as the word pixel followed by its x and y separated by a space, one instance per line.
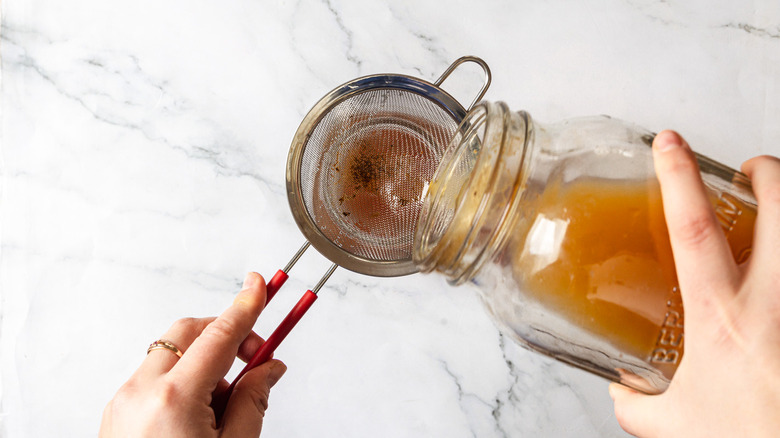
pixel 772 301
pixel 222 328
pixel 621 416
pixel 111 409
pixel 167 393
pixel 259 396
pixel 129 391
pixel 130 387
pixel 697 230
pixel 255 388
pixel 768 159
pixel 681 163
pixel 625 417
pixel 769 194
pixel 184 324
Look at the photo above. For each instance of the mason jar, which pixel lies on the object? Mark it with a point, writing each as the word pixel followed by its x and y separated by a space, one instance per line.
pixel 560 227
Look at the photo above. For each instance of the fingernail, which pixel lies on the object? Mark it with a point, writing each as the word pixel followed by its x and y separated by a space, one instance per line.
pixel 611 389
pixel 667 140
pixel 275 373
pixel 249 280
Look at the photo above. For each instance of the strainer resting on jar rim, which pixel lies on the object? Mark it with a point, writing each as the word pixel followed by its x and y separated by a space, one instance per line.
pixel 360 162
pixel 357 171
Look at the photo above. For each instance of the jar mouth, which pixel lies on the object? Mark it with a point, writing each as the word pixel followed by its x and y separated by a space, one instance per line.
pixel 471 192
pixel 445 191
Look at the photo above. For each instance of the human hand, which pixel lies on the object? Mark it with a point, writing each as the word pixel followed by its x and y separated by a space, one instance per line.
pixel 170 397
pixel 728 382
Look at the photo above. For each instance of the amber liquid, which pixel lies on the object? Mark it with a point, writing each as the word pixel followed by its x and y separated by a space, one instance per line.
pixel 598 254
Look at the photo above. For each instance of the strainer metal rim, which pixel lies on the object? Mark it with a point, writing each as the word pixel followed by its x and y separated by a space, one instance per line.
pixel 310 230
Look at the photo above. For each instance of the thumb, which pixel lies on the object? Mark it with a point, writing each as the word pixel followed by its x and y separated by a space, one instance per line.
pixel 635 412
pixel 249 400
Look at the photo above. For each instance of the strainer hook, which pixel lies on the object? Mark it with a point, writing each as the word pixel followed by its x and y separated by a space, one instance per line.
pixel 456 64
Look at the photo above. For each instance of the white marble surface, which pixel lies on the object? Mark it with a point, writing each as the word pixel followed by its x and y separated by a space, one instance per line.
pixel 143 154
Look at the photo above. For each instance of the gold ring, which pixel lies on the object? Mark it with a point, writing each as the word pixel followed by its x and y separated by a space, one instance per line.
pixel 162 344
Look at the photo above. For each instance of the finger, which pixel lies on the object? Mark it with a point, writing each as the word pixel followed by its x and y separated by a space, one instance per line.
pixel 249 401
pixel 181 334
pixel 246 350
pixel 764 173
pixel 635 412
pixel 210 356
pixel 701 253
pixel 249 346
pixel 222 386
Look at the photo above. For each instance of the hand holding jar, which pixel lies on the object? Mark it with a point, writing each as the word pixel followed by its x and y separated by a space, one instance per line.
pixel 728 382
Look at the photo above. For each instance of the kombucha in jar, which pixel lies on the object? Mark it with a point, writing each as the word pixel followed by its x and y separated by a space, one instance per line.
pixel 561 230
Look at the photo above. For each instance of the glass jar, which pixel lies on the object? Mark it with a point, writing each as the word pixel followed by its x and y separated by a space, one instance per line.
pixel 561 229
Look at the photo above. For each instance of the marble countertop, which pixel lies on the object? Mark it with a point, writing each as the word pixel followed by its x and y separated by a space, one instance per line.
pixel 143 155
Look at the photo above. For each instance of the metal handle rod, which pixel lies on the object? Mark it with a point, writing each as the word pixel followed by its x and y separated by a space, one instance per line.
pixel 456 64
pixel 324 278
pixel 296 257
pixel 281 276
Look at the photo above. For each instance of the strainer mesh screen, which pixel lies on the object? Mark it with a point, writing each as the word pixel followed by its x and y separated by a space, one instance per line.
pixel 366 165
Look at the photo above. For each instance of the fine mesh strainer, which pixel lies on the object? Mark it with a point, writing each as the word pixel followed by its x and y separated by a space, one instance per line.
pixel 360 162
pixel 357 171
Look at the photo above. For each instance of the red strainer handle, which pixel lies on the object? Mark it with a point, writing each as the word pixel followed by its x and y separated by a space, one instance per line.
pixel 265 352
pixel 274 285
pixel 281 276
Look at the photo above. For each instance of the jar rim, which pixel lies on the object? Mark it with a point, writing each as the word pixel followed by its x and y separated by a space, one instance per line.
pixel 443 192
pixel 467 199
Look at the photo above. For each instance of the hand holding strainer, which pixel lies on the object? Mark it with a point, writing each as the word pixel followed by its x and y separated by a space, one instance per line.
pixel 357 171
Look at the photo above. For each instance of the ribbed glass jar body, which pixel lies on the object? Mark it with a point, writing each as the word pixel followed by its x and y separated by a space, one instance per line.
pixel 561 229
